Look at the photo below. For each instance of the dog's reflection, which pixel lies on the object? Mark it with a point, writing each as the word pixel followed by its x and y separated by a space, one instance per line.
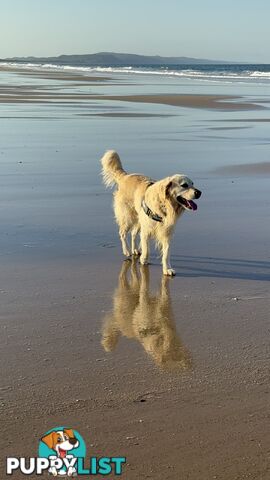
pixel 145 317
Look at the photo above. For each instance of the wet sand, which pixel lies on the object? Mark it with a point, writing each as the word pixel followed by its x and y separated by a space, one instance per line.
pixel 171 373
pixel 218 102
pixel 29 94
pixel 245 120
pixel 125 115
pixel 246 169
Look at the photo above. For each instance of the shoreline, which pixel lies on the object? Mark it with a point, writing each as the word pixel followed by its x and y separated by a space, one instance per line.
pixel 52 75
pixel 39 94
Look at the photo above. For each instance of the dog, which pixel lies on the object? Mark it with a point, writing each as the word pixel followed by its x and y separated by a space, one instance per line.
pixel 61 442
pixel 146 317
pixel 148 207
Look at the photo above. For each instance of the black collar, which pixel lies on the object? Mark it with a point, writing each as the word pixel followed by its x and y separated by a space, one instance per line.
pixel 149 212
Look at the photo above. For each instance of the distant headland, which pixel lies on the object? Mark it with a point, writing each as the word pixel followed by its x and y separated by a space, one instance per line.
pixel 115 59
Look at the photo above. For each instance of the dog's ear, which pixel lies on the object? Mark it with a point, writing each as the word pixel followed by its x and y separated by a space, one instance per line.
pixel 49 439
pixel 69 432
pixel 167 189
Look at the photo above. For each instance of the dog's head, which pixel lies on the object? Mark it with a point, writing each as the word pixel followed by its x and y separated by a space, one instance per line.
pixel 61 441
pixel 181 189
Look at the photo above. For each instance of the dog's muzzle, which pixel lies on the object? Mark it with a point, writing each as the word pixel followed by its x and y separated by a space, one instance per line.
pixel 189 204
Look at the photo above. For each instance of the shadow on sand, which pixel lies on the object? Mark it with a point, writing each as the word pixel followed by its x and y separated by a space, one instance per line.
pixel 193 266
pixel 146 317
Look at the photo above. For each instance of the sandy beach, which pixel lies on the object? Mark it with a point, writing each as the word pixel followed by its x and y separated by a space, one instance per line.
pixel 173 374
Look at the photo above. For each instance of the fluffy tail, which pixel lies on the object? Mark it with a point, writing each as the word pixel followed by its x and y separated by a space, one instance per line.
pixel 112 168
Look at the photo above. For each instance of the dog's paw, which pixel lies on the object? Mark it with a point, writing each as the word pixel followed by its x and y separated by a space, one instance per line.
pixel 72 472
pixel 143 261
pixel 126 253
pixel 136 252
pixel 169 272
pixel 53 471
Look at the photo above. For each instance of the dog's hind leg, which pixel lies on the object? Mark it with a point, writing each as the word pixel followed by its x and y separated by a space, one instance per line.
pixel 123 231
pixel 134 232
pixel 125 220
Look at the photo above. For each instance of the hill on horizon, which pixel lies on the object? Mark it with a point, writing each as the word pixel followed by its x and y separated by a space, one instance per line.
pixel 115 59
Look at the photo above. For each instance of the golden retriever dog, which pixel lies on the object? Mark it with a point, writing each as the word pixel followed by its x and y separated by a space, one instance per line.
pixel 146 317
pixel 148 207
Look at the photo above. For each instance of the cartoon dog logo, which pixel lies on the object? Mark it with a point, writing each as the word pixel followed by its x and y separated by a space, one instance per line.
pixel 61 441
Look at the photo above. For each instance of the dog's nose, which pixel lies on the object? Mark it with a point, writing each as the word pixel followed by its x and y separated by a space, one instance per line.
pixel 73 440
pixel 197 193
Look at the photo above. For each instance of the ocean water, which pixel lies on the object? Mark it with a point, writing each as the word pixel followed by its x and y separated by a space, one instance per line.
pixel 243 73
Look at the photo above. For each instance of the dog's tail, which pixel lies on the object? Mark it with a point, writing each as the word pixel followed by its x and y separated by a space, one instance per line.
pixel 112 169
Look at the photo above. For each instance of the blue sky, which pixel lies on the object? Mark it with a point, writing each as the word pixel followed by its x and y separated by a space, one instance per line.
pixel 235 30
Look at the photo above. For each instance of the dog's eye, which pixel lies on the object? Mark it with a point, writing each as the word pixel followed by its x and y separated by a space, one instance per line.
pixel 184 185
pixel 59 440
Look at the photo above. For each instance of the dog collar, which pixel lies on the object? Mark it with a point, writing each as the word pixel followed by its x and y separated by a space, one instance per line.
pixel 149 212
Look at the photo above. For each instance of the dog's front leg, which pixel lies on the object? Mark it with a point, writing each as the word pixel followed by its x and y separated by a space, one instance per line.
pixel 53 471
pixel 144 247
pixel 54 460
pixel 167 269
pixel 134 231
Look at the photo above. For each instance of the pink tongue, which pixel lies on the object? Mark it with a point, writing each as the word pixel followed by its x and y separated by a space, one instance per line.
pixel 192 205
pixel 62 453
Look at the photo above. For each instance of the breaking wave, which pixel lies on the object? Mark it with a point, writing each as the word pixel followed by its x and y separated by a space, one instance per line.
pixel 232 73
